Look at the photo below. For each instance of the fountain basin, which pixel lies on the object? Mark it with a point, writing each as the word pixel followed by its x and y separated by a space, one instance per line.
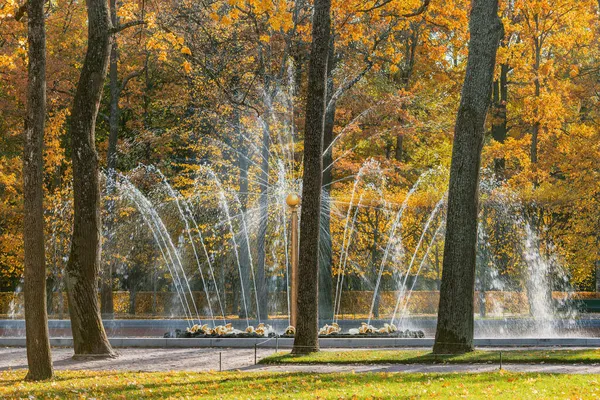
pixel 587 326
pixel 325 343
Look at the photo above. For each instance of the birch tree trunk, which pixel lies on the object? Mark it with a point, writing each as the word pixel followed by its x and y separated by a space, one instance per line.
pixel 89 337
pixel 39 359
pixel 306 339
pixel 455 316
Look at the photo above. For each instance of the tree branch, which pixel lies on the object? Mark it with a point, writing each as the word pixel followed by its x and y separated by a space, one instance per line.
pixel 422 8
pixel 419 10
pixel 129 77
pixel 21 11
pixel 104 116
pixel 126 25
pixel 348 85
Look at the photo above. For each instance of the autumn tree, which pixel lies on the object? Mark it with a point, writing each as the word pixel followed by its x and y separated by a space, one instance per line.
pixel 83 267
pixel 455 325
pixel 307 327
pixel 116 88
pixel 39 358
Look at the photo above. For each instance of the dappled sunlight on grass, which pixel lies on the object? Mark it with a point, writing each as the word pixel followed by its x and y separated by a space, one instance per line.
pixel 587 356
pixel 111 384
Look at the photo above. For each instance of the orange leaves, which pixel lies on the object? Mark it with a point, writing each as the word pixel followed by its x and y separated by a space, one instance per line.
pixel 187 67
pixel 7 62
pixel 54 153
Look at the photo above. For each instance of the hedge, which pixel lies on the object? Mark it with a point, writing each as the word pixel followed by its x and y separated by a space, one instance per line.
pixel 354 304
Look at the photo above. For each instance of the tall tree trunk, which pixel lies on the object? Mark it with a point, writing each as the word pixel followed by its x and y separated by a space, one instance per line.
pixel 263 220
pixel 436 258
pixel 499 127
pixel 598 276
pixel 325 250
pixel 535 131
pixel 106 287
pixel 455 316
pixel 306 339
pixel 406 72
pixel 399 148
pixel 243 196
pixel 132 299
pixel 39 359
pixel 83 267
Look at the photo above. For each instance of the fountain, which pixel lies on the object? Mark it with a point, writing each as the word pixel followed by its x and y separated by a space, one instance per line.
pixel 198 231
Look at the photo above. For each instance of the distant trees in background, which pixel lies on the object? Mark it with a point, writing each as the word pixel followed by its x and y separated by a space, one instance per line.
pixel 210 80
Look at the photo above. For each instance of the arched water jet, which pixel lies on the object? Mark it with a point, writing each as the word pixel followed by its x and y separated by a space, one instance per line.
pixel 395 226
pixel 225 207
pixel 344 259
pixel 186 216
pixel 163 240
pixel 421 264
pixel 412 261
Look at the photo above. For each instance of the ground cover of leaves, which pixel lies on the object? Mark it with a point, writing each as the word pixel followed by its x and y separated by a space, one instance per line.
pixel 585 356
pixel 244 385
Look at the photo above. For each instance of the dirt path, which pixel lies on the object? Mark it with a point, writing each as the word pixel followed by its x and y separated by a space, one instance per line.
pixel 205 359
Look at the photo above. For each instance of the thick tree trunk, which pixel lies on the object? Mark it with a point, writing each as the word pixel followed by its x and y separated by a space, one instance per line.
pixel 106 287
pixel 263 217
pixel 455 316
pixel 306 339
pixel 535 131
pixel 436 260
pixel 325 250
pixel 39 359
pixel 406 72
pixel 598 276
pixel 399 148
pixel 243 196
pixel 499 126
pixel 89 337
pixel 132 298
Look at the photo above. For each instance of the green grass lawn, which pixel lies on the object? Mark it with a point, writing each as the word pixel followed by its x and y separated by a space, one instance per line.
pixel 588 356
pixel 235 385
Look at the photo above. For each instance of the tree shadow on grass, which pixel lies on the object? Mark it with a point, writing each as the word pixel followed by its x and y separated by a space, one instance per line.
pixel 234 385
pixel 395 357
pixel 58 377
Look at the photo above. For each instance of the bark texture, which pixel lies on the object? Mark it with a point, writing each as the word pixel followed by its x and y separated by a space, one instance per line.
pixel 39 359
pixel 263 217
pixel 499 121
pixel 89 337
pixel 106 292
pixel 325 250
pixel 306 339
pixel 243 196
pixel 455 316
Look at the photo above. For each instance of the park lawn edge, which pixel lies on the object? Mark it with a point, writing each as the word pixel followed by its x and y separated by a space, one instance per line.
pixel 300 385
pixel 367 357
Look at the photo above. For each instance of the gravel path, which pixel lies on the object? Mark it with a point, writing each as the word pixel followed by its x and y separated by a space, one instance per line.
pixel 205 359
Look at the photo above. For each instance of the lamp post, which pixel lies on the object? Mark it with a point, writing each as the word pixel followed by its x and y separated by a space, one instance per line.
pixel 293 201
